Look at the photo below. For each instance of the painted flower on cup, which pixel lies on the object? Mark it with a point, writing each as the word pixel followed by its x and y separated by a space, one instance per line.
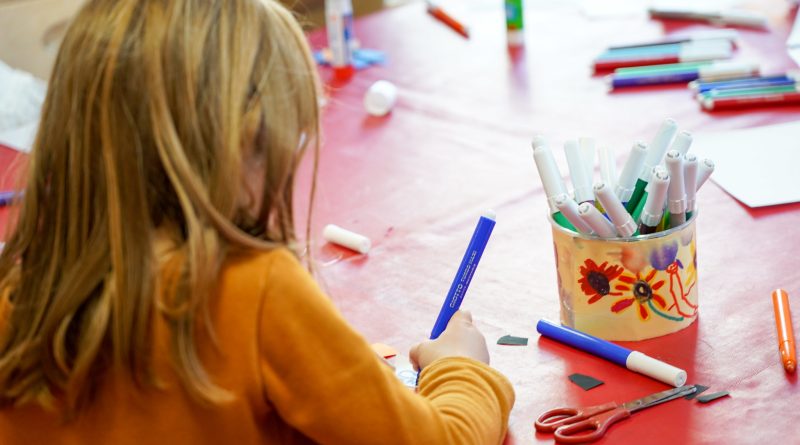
pixel 596 280
pixel 640 290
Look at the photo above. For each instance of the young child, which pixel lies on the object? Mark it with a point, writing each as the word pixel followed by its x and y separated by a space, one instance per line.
pixel 149 289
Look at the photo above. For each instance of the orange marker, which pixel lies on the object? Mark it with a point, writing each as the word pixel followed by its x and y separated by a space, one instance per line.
pixel 783 321
pixel 447 19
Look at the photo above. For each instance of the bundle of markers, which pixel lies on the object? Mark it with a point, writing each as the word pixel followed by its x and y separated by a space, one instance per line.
pixel 746 92
pixel 655 191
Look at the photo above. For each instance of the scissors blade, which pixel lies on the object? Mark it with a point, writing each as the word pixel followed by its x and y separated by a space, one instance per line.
pixel 659 397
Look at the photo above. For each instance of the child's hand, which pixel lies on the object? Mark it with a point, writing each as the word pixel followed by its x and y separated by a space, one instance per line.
pixel 460 339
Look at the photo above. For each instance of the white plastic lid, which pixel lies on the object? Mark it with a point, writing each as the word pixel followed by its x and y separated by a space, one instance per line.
pixel 380 98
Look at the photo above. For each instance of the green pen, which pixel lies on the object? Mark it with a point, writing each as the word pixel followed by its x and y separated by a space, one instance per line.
pixel 669 68
pixel 655 153
pixel 737 92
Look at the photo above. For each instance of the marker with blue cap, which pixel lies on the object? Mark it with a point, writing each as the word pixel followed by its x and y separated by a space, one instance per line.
pixel 632 360
pixel 480 237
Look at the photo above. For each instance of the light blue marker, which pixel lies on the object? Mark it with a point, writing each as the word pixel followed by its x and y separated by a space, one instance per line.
pixel 632 360
pixel 465 272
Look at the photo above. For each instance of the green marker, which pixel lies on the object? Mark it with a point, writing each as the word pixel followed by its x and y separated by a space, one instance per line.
pixel 655 153
pixel 739 92
pixel 514 22
pixel 626 184
pixel 653 69
pixel 551 179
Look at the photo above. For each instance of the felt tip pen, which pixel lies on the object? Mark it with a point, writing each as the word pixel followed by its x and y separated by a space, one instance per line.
pixel 682 142
pixel 711 34
pixel 676 194
pixel 466 270
pixel 578 172
pixel 594 219
pixel 447 19
pixel 632 360
pixel 339 26
pixel 704 170
pixel 608 166
pixel 656 150
pixel 749 91
pixel 690 182
pixel 630 172
pixel 551 178
pixel 783 323
pixel 760 100
pixel 9 197
pixel 713 71
pixel 722 17
pixel 587 153
pixel 654 204
pixel 620 217
pixel 569 208
pixel 686 53
pixel 781 79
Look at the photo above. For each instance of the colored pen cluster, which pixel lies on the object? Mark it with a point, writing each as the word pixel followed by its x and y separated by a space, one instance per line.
pixel 747 92
pixel 674 61
pixel 655 191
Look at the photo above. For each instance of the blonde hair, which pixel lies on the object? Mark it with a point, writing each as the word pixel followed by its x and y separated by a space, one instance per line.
pixel 151 109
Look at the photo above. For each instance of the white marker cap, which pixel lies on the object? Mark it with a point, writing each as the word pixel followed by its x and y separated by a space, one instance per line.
pixel 704 170
pixel 658 146
pixel 608 166
pixel 654 205
pixel 337 235
pixel 663 372
pixel 599 224
pixel 380 98
pixel 577 171
pixel 726 70
pixel 569 208
pixel 682 142
pixel 588 154
pixel 548 171
pixel 677 193
pixel 622 220
pixel 690 180
pixel 630 172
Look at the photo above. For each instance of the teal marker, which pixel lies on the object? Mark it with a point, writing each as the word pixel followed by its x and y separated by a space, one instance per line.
pixel 551 179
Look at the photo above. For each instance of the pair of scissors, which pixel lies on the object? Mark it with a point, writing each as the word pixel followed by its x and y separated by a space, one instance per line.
pixel 579 425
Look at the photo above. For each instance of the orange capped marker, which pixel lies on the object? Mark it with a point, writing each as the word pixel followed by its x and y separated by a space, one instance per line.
pixel 783 321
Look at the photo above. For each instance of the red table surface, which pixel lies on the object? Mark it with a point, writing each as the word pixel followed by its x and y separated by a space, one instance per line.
pixel 458 142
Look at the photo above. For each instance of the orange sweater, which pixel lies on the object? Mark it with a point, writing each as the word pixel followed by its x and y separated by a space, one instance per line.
pixel 300 374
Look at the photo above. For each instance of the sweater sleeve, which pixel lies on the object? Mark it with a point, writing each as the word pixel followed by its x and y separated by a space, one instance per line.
pixel 324 380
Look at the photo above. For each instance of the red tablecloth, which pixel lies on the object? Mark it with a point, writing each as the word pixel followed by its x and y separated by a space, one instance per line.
pixel 458 142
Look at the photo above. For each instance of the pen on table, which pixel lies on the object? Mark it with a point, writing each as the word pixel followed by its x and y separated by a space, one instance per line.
pixel 654 205
pixel 690 182
pixel 9 197
pixel 577 171
pixel 594 219
pixel 751 101
pixel 718 17
pixel 780 79
pixel 620 217
pixel 668 74
pixel 466 270
pixel 676 193
pixel 626 183
pixel 713 34
pixel 447 19
pixel 690 52
pixel 655 152
pixel 551 178
pixel 748 91
pixel 632 360
pixel 569 208
pixel 783 323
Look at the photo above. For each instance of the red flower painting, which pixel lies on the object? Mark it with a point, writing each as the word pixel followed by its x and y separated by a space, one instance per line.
pixel 596 280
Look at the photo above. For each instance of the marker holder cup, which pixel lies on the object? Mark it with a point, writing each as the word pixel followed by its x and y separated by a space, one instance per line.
pixel 627 288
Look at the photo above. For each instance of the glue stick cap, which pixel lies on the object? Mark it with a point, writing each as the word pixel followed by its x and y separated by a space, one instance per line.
pixel 380 98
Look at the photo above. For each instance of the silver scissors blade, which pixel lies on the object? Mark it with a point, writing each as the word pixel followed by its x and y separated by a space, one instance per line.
pixel 659 397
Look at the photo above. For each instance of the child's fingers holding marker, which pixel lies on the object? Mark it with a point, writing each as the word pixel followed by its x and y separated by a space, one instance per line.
pixel 460 339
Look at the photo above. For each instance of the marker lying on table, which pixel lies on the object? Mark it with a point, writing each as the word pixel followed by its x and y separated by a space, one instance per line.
pixel 632 360
pixel 465 272
pixel 678 73
pixel 696 36
pixel 717 17
pixel 447 19
pixel 654 205
pixel 759 100
pixel 551 178
pixel 783 322
pixel 746 82
pixel 690 52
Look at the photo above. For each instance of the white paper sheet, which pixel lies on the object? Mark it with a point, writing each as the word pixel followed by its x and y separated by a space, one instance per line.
pixel 759 166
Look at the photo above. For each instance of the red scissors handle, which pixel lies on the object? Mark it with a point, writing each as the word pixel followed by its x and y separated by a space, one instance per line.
pixel 592 428
pixel 551 420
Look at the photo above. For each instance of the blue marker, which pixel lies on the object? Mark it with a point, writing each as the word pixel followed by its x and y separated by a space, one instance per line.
pixel 465 272
pixel 8 198
pixel 632 360
pixel 777 80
